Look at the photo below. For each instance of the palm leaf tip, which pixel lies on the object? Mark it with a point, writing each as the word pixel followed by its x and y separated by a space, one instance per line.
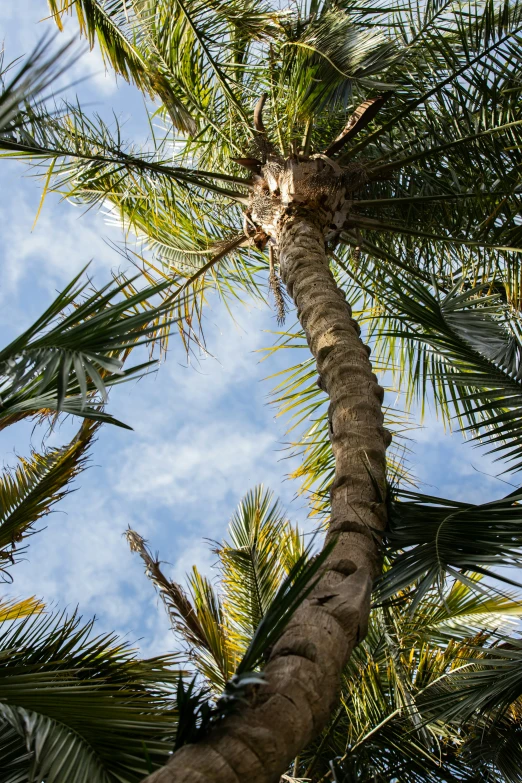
pixel 28 84
pixel 32 489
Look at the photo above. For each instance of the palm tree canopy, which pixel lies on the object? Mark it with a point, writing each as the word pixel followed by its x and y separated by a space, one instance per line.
pixel 404 101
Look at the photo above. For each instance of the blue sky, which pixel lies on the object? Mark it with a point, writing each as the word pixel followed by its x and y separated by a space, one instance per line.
pixel 203 433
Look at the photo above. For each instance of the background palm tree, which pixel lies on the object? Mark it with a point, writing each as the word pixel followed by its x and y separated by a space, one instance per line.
pixel 432 92
pixel 393 720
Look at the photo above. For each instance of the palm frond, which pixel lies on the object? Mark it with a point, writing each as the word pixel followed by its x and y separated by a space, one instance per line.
pixel 293 590
pixel 123 33
pixel 218 661
pixel 165 49
pixel 197 619
pixel 29 492
pixel 81 705
pixel 77 348
pixel 429 538
pixel 387 725
pixel 251 560
pixel 465 611
pixel 325 57
pixel 465 345
pixel 179 607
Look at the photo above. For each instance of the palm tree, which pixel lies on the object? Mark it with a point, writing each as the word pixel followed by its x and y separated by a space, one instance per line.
pixel 377 121
pixel 393 720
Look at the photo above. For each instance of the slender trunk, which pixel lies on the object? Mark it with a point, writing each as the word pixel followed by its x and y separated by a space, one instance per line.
pixel 303 672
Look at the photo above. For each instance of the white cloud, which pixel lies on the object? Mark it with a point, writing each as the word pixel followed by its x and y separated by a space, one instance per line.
pixel 82 559
pixel 20 40
pixel 64 240
pixel 210 456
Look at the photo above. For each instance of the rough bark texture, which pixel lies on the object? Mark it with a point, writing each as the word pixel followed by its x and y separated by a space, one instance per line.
pixel 345 373
pixel 303 672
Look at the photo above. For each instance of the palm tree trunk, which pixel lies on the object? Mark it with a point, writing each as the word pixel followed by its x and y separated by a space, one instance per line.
pixel 303 673
pixel 356 423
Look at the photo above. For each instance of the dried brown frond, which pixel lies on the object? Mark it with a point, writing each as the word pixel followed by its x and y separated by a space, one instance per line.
pixel 363 114
pixel 354 176
pixel 277 288
pixel 181 612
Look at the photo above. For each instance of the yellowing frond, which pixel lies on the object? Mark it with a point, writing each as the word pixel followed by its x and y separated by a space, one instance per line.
pixel 13 610
pixel 30 490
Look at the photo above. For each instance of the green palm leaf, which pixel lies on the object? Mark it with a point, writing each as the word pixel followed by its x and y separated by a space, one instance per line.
pixel 69 355
pixel 387 724
pixel 30 491
pixel 251 562
pixel 81 705
pixel 431 537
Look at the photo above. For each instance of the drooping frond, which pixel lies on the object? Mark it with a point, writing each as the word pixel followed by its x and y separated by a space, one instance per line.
pixel 90 159
pixel 29 491
pixel 123 31
pixel 430 538
pixel 192 55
